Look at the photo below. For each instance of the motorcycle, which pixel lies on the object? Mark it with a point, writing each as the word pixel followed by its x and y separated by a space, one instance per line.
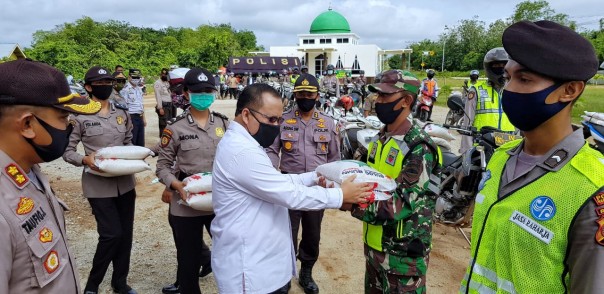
pixel 357 132
pixel 593 126
pixel 287 96
pixel 354 91
pixel 423 107
pixel 456 112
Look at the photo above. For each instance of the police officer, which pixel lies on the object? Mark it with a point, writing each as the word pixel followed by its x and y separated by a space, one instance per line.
pixel 111 198
pixel 34 104
pixel 308 139
pixel 163 100
pixel 538 222
pixel 483 107
pixel 330 83
pixel 133 94
pixel 397 232
pixel 189 143
pixel 120 82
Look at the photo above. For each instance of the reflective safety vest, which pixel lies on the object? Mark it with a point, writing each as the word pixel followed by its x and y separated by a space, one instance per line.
pixel 293 79
pixel 488 109
pixel 520 240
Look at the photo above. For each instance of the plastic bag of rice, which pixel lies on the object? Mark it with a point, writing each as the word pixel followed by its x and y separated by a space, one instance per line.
pixel 199 201
pixel 118 167
pixel 338 171
pixel 124 152
pixel 200 182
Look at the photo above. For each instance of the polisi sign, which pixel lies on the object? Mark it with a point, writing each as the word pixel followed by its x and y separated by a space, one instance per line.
pixel 261 63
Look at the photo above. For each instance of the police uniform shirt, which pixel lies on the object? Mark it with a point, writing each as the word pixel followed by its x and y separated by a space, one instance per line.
pixel 192 148
pixel 304 145
pixel 370 104
pixel 95 132
pixel 331 83
pixel 585 257
pixel 162 93
pixel 34 256
pixel 134 98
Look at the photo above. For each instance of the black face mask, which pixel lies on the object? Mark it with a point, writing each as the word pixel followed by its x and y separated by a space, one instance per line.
pixel 385 112
pixel 102 92
pixel 164 78
pixel 266 134
pixel 60 140
pixel 306 105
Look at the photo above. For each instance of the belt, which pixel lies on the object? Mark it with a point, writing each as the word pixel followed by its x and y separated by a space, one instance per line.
pixel 166 104
pixel 136 114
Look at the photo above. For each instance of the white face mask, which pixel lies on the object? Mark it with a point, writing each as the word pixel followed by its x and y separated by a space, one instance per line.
pixel 136 81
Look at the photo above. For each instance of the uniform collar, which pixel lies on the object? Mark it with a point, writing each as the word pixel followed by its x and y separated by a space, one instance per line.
pixel 399 133
pixel 560 154
pixel 192 122
pixel 15 174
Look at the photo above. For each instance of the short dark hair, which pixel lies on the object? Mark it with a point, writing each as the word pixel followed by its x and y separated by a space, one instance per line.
pixel 251 97
pixel 118 66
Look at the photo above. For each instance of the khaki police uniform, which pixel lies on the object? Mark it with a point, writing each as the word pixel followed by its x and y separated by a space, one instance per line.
pixel 164 101
pixel 112 199
pixel 34 256
pixel 187 149
pixel 303 146
pixel 331 84
pixel 369 106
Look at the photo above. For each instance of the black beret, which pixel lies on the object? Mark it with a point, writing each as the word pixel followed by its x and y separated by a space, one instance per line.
pixel 551 49
pixel 97 73
pixel 198 79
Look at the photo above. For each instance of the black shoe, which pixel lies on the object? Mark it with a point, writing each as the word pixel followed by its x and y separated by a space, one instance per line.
pixel 171 289
pixel 306 281
pixel 205 270
pixel 126 290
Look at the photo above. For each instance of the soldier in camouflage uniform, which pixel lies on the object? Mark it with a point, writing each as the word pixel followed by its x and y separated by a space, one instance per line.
pixel 398 232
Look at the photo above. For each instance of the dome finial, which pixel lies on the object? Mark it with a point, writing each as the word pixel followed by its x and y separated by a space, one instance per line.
pixel 329 6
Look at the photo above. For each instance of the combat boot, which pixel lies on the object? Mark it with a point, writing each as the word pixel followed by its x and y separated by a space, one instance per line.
pixel 306 281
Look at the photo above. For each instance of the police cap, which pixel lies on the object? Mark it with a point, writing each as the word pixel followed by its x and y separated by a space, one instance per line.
pixel 306 82
pixel 197 79
pixel 551 49
pixel 97 73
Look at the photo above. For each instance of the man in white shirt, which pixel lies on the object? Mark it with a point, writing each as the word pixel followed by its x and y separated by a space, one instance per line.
pixel 252 245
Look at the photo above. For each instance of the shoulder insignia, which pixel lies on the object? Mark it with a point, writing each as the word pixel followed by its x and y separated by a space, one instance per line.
pixel 556 158
pixel 471 95
pixel 25 206
pixel 291 121
pixel 120 106
pixel 166 137
pixel 218 114
pixel 315 114
pixel 297 113
pixel 190 118
pixel 219 132
pixel 18 177
pixel 120 120
pixel 177 118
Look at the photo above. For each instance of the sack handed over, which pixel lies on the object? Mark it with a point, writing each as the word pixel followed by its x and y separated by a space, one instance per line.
pixel 124 152
pixel 338 171
pixel 118 167
pixel 201 182
pixel 199 201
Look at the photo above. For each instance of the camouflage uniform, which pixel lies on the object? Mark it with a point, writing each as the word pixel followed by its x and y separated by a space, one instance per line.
pixel 406 220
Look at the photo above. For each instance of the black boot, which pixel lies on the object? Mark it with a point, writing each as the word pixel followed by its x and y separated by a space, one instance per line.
pixel 306 281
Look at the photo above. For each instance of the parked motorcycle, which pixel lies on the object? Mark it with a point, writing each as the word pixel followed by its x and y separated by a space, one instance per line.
pixel 357 132
pixel 593 126
pixel 424 103
pixel 456 106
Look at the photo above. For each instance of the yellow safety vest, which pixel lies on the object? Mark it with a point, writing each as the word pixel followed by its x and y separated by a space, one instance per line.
pixel 519 241
pixel 488 109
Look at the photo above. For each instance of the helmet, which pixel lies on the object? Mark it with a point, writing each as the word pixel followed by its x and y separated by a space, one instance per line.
pixel 330 66
pixel 296 69
pixel 430 73
pixel 361 72
pixel 304 69
pixel 493 56
pixel 474 72
pixel 346 102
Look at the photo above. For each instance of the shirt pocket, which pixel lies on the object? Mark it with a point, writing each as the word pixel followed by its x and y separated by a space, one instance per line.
pixel 289 140
pixel 190 145
pixel 322 141
pixel 94 131
pixel 47 259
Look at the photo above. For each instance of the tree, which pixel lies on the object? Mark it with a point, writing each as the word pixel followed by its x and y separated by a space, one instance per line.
pixel 540 10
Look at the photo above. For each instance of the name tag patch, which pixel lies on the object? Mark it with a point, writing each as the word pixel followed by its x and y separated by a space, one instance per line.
pixel 531 226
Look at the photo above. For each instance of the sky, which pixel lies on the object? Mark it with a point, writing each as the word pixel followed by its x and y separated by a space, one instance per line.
pixel 391 24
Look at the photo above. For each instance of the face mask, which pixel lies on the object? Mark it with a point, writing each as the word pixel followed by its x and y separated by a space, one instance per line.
pixel 497 70
pixel 330 72
pixel 306 105
pixel 136 81
pixel 430 76
pixel 164 78
pixel 266 134
pixel 201 101
pixel 60 140
pixel 119 86
pixel 102 92
pixel 527 111
pixel 385 112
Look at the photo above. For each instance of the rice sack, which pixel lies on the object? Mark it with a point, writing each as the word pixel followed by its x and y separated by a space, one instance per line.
pixel 199 201
pixel 124 152
pixel 118 167
pixel 200 182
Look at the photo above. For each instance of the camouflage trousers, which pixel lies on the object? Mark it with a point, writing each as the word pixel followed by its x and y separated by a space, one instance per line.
pixel 381 278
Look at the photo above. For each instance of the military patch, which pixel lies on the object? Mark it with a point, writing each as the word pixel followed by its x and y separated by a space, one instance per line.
pixel 471 95
pixel 600 231
pixel 45 235
pixel 17 175
pixel 321 125
pixel 600 211
pixel 166 136
pixel 321 120
pixel 51 264
pixel 119 120
pixel 543 208
pixel 291 121
pixel 372 154
pixel 25 206
pixel 324 147
pixel 599 199
pixel 412 172
pixel 289 135
pixel 288 145
pixel 392 154
pixel 219 132
pixel 322 137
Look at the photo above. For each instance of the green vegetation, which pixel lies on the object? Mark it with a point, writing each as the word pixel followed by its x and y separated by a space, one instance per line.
pixel 75 47
pixel 592 99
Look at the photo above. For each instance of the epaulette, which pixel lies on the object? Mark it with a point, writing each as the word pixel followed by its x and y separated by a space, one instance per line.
pixel 218 114
pixel 120 106
pixel 177 118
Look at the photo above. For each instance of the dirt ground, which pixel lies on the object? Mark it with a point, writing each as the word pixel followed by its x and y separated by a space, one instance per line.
pixel 340 268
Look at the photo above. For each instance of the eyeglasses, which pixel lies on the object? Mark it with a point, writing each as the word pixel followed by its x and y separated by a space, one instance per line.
pixel 271 119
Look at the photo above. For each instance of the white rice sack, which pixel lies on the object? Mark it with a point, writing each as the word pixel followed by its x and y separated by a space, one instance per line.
pixel 338 171
pixel 595 115
pixel 201 182
pixel 118 167
pixel 124 152
pixel 441 142
pixel 438 131
pixel 200 201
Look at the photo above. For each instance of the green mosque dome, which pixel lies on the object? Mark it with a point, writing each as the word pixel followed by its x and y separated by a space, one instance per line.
pixel 329 22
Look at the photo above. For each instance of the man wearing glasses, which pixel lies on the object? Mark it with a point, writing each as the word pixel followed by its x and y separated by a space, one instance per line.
pixel 308 139
pixel 252 245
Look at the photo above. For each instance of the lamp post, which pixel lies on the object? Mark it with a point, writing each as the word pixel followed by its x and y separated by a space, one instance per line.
pixel 442 66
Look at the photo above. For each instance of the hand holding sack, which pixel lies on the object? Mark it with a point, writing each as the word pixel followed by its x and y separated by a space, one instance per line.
pixel 120 161
pixel 199 191
pixel 338 171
